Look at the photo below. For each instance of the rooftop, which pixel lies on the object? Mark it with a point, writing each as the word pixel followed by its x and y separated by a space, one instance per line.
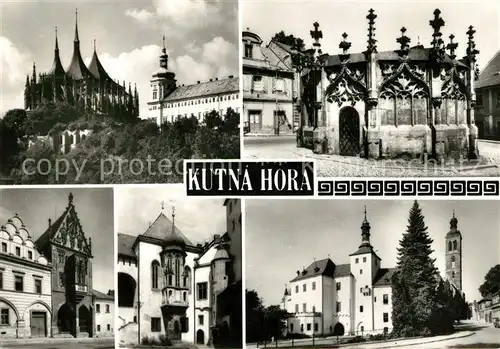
pixel 202 89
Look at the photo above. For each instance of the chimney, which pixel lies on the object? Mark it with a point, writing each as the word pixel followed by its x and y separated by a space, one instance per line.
pixel 298 273
pixel 231 76
pixel 198 81
pixel 216 79
pixel 50 222
pixel 211 80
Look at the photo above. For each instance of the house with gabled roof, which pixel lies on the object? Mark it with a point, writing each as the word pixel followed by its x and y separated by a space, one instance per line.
pixel 69 251
pixel 487 108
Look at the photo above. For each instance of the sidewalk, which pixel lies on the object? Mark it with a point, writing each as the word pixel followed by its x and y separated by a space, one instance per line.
pixel 51 340
pixel 409 342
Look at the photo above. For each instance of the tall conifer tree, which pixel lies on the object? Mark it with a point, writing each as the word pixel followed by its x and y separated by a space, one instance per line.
pixel 415 282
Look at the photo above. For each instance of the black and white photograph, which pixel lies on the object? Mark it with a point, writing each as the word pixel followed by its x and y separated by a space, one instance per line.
pixel 56 269
pixel 372 274
pixel 97 92
pixel 179 270
pixel 373 89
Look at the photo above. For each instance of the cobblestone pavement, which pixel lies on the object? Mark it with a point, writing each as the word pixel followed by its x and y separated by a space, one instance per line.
pixel 342 166
pixel 60 345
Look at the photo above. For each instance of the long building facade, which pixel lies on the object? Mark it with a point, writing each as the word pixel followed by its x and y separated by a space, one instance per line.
pixel 168 286
pixel 87 88
pixel 354 298
pixel 25 284
pixel 170 101
pixel 413 101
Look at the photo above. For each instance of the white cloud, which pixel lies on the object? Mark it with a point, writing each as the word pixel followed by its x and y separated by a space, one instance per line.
pixel 142 15
pixel 13 65
pixel 218 51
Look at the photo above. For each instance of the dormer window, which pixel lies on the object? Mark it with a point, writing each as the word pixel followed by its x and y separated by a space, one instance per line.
pixel 248 50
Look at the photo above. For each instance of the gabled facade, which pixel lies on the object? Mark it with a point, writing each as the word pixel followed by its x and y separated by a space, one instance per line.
pixel 171 101
pixel 25 284
pixel 268 86
pixel 487 106
pixel 70 253
pixel 169 286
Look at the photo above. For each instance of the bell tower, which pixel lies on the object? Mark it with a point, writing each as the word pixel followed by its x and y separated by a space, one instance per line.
pixel 454 254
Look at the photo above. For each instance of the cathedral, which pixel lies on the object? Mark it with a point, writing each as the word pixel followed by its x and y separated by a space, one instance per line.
pixel 170 287
pixel 355 298
pixel 414 101
pixel 87 88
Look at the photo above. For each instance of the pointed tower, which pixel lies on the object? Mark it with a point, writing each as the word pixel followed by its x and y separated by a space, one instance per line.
pixel 77 69
pixel 96 68
pixel 57 69
pixel 454 254
pixel 162 83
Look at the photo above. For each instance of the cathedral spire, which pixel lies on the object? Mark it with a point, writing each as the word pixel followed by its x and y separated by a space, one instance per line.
pixel 57 43
pixel 76 27
pixel 173 219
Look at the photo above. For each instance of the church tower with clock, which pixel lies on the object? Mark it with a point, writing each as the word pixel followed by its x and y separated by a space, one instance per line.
pixel 454 254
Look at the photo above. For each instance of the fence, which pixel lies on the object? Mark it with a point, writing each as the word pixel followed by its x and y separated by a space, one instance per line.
pixel 326 341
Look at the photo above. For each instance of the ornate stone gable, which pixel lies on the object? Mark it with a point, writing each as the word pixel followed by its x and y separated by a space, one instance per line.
pixel 453 84
pixel 403 81
pixel 70 233
pixel 346 85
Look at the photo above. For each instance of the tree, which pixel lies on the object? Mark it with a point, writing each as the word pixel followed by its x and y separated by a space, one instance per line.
pixel 491 284
pixel 254 316
pixel 11 130
pixel 275 321
pixel 414 284
pixel 290 40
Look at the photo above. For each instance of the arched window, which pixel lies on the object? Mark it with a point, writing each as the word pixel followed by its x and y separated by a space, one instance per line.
pixel 449 246
pixel 155 266
pixel 455 245
pixel 177 272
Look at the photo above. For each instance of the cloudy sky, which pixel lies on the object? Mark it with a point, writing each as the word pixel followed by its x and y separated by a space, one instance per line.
pixel 198 219
pixel 201 40
pixel 283 236
pixel 336 17
pixel 94 208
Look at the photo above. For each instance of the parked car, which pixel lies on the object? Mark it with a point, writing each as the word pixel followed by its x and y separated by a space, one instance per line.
pixel 496 322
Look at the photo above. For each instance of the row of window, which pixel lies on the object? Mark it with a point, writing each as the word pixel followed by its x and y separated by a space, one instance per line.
pixel 98 308
pixel 197 101
pixel 19 284
pixel 17 251
pixel 174 274
pixel 385 318
pixel 338 306
pixel 304 287
pixel 108 328
pixel 258 84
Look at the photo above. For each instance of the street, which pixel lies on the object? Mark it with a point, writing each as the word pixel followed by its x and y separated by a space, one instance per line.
pixel 483 337
pixel 284 147
pixel 61 344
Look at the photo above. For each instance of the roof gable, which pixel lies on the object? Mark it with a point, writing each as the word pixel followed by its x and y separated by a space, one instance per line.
pixel 214 87
pixel 66 231
pixel 322 267
pixel 490 76
pixel 162 228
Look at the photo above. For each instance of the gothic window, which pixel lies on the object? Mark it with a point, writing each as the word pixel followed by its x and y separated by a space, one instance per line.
pixel 404 110
pixel 452 274
pixel 461 112
pixel 386 110
pixel 420 111
pixel 455 247
pixel 154 274
pixel 177 272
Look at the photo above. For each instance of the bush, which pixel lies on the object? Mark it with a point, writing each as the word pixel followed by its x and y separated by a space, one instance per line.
pixel 357 339
pixel 164 341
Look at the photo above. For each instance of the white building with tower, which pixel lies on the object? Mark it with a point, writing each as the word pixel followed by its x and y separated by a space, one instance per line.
pixel 170 101
pixel 356 297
